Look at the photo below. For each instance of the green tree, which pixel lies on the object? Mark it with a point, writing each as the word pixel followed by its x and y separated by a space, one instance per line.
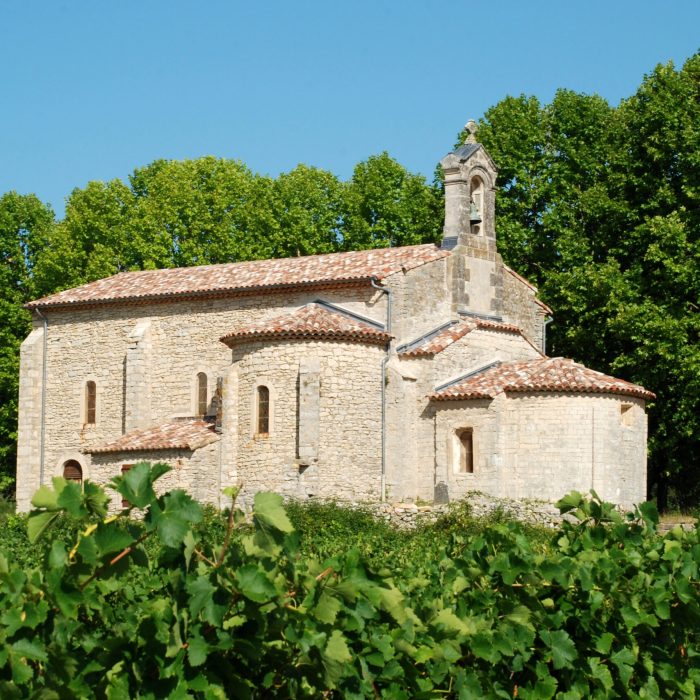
pixel 93 240
pixel 309 207
pixel 195 212
pixel 389 206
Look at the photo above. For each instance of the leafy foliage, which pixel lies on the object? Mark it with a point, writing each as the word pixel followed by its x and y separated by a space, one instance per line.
pixel 611 609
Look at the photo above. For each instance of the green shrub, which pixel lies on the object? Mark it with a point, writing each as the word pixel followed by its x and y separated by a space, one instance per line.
pixel 218 608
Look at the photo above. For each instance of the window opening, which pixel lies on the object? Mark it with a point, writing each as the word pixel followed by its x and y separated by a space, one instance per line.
pixel 626 415
pixel 125 469
pixel 476 207
pixel 202 402
pixel 466 451
pixel 263 410
pixel 90 403
pixel 72 471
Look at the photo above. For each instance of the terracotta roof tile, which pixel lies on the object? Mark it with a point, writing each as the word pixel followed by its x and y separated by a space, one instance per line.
pixel 251 275
pixel 178 435
pixel 452 334
pixel 548 374
pixel 310 321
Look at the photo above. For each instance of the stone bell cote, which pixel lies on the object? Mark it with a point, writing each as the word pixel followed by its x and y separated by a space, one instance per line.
pixel 470 192
pixel 470 229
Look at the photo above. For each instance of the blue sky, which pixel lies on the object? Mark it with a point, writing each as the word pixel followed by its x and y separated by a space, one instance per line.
pixel 89 90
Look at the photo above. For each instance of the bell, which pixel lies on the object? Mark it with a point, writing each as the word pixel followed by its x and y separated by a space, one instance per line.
pixel 474 216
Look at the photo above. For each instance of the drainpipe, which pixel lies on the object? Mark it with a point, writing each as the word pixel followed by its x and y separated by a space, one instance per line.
pixel 42 440
pixel 385 360
pixel 547 321
pixel 592 448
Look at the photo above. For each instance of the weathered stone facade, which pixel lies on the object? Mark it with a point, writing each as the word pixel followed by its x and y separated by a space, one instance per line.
pixel 330 376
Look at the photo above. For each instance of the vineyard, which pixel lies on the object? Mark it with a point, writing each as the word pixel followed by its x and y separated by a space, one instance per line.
pixel 317 601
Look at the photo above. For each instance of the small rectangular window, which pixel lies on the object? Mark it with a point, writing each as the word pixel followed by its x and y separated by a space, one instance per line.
pixel 626 414
pixel 125 469
pixel 466 451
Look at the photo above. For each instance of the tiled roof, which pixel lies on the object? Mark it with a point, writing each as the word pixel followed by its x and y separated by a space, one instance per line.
pixel 548 374
pixel 452 334
pixel 309 322
pixel 252 275
pixel 179 435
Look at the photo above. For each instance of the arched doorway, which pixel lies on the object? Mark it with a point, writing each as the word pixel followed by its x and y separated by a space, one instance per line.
pixel 72 471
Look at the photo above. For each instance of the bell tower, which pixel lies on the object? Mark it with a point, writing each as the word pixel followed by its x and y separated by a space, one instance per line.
pixel 470 230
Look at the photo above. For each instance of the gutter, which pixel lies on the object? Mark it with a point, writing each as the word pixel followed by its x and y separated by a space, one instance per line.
pixel 374 282
pixel 42 440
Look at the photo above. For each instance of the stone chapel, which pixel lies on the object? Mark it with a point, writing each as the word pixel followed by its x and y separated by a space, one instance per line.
pixel 400 373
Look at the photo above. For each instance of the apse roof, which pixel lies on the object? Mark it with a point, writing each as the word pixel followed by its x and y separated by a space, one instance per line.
pixel 550 374
pixel 316 320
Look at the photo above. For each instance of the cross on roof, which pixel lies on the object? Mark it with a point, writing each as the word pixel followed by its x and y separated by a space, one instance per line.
pixel 472 127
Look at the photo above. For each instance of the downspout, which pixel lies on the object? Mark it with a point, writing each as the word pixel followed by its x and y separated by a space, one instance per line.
pixel 593 448
pixel 385 360
pixel 42 440
pixel 547 321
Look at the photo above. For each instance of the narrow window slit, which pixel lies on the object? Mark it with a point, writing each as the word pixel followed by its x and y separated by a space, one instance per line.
pixel 263 410
pixel 90 403
pixel 202 399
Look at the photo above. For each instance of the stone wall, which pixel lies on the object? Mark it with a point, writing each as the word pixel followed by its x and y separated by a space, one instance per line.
pixel 478 348
pixel 413 463
pixel 545 445
pixel 480 505
pixel 146 353
pixel 420 300
pixel 348 463
pixel 29 423
pixel 521 309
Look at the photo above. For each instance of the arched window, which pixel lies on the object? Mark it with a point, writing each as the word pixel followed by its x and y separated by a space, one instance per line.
pixel 90 403
pixel 263 412
pixel 72 471
pixel 202 402
pixel 466 451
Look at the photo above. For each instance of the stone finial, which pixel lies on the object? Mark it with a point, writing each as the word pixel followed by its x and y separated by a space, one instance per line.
pixel 472 127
